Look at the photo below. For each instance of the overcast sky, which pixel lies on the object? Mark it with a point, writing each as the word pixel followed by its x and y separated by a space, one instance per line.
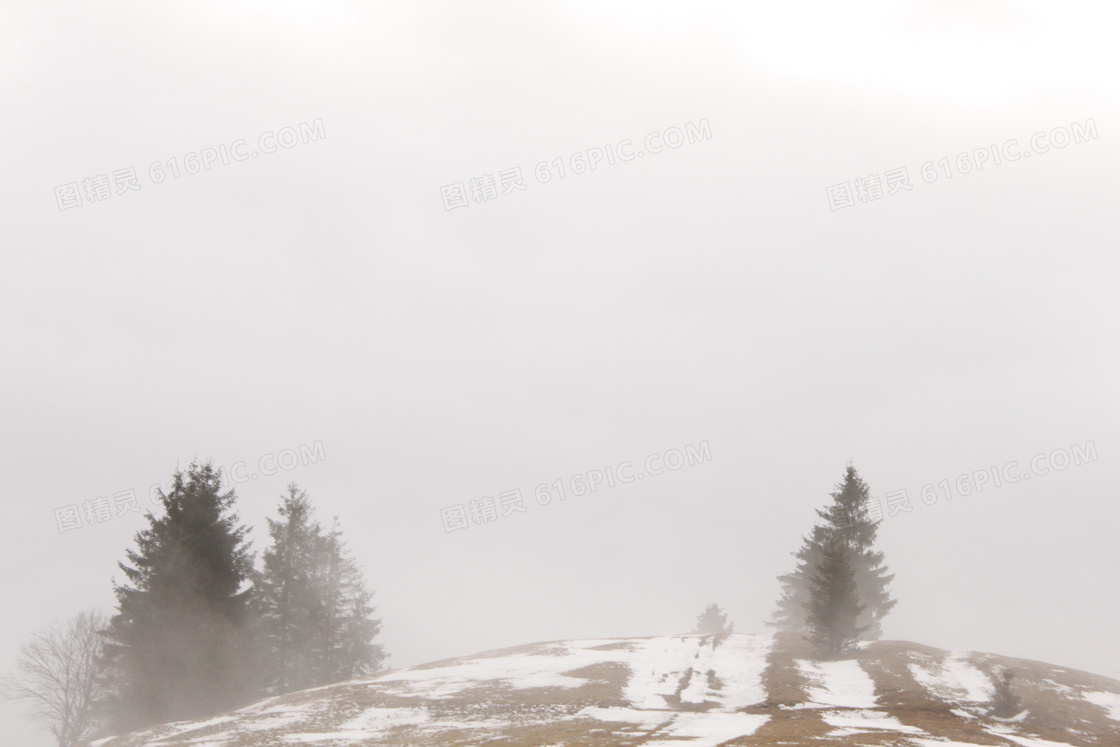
pixel 343 276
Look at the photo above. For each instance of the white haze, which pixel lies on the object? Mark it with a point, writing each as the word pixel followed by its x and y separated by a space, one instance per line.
pixel 706 293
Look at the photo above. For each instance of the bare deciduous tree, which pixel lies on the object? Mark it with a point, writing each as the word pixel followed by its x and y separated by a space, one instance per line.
pixel 58 675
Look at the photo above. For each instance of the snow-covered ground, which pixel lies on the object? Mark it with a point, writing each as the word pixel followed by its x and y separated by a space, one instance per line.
pixel 667 691
pixel 954 678
pixel 1108 701
pixel 838 683
pixel 859 721
pixel 659 667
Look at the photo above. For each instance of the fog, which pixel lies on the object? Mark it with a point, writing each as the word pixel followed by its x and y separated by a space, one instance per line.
pixel 332 292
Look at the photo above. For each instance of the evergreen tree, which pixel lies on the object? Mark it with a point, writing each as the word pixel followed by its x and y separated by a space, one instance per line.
pixel 833 609
pixel 346 632
pixel 315 610
pixel 177 648
pixel 847 518
pixel 1005 703
pixel 790 612
pixel 713 621
pixel 288 600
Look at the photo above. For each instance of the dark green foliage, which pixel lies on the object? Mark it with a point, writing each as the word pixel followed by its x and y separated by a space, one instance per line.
pixel 833 610
pixel 287 601
pixel 847 519
pixel 349 628
pixel 177 648
pixel 1005 703
pixel 790 612
pixel 713 621
pixel 315 612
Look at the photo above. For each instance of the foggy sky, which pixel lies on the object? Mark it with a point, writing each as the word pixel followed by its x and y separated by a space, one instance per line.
pixel 707 293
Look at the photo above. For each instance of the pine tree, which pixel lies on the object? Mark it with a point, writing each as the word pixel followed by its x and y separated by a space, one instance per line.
pixel 315 611
pixel 848 518
pixel 833 609
pixel 713 621
pixel 1005 703
pixel 177 647
pixel 347 628
pixel 790 612
pixel 288 601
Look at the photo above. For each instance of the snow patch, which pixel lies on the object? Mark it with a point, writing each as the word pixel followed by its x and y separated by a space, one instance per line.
pixel 662 669
pixel 1029 741
pixel 519 671
pixel 707 729
pixel 273 722
pixel 856 721
pixel 838 683
pixel 1063 689
pixel 940 743
pixel 380 719
pixel 1106 700
pixel 334 736
pixel 645 719
pixel 955 679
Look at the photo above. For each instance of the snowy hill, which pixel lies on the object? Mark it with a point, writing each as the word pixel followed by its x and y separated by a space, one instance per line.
pixel 681 690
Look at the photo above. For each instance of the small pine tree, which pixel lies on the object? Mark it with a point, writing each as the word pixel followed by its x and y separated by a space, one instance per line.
pixel 713 621
pixel 848 518
pixel 177 647
pixel 833 609
pixel 1005 703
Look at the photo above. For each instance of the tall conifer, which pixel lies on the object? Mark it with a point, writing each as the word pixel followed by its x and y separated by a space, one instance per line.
pixel 177 647
pixel 848 518
pixel 317 619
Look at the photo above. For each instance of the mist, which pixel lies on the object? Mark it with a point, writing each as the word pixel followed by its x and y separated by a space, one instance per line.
pixel 451 268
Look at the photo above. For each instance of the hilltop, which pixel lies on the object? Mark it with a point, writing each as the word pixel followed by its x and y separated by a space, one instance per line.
pixel 691 690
